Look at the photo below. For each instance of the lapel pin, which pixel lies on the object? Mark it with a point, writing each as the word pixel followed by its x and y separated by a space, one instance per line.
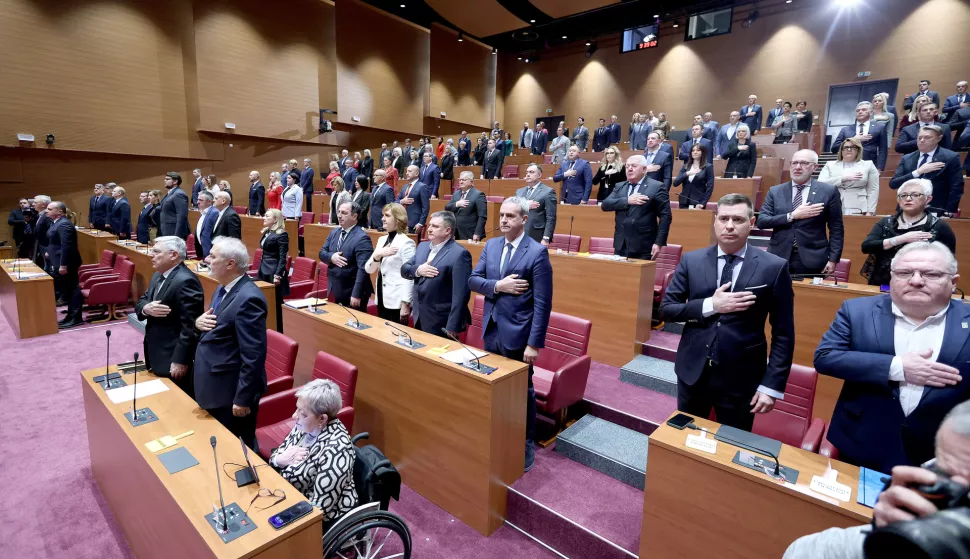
pixel 965 325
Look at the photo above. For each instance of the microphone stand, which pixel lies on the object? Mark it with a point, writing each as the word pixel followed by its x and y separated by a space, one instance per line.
pixel 775 473
pixel 570 237
pixel 353 322
pixel 315 309
pixel 138 417
pixel 823 276
pixel 477 367
pixel 410 343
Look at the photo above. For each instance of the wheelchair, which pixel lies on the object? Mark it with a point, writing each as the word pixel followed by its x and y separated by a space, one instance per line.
pixel 370 531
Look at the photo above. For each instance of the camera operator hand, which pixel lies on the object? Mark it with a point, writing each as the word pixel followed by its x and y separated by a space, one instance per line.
pixel 899 502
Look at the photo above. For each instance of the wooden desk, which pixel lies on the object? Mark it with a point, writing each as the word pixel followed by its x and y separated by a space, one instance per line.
pixel 491 221
pixel 6 252
pixel 768 168
pixel 28 304
pixel 162 514
pixel 251 232
pixel 209 286
pixel 91 242
pixel 457 437
pixel 748 187
pixel 697 504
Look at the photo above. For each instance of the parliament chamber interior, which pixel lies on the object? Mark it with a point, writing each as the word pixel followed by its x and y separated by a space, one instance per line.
pixel 421 285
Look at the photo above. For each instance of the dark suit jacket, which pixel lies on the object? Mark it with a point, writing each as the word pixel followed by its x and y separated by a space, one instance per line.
pixel 542 220
pixel 306 180
pixel 638 228
pixel 196 188
pixel 174 217
pixel 665 159
pixel 41 229
pixel 144 224
pixel 120 218
pixel 229 226
pixel 906 141
pixel 697 191
pixel 741 335
pixel 814 248
pixel 418 210
pixel 772 115
pixel 98 211
pixel 351 280
pixel 366 169
pixel 431 176
pixel 581 137
pixel 947 182
pixel 873 150
pixel 514 321
pixel 908 103
pixel 257 199
pixel 753 122
pixel 540 142
pixel 173 338
pixel 448 166
pixel 685 148
pixel 62 246
pixel 361 200
pixel 381 195
pixel 18 221
pixel 577 188
pixel 601 138
pixel 441 301
pixel 740 163
pixel 203 241
pixel 470 220
pixel 868 424
pixel 958 123
pixel 613 133
pixel 401 164
pixel 273 263
pixel 952 103
pixel 230 359
pixel 492 164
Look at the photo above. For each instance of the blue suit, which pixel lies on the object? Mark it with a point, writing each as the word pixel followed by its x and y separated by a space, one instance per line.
pixel 664 158
pixel 639 133
pixel 98 210
pixel 208 224
pixel 868 425
pixel 952 103
pixel 430 175
pixel 753 122
pixel 577 188
pixel 906 141
pixel 613 131
pixel 709 130
pixel 772 115
pixel 418 210
pixel 350 179
pixel 381 195
pixel 120 218
pixel 722 139
pixel 947 182
pixel 351 280
pixel 872 150
pixel 688 145
pixel 144 225
pixel 196 188
pixel 441 301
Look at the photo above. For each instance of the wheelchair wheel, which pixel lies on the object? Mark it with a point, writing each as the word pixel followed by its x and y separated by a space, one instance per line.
pixel 373 535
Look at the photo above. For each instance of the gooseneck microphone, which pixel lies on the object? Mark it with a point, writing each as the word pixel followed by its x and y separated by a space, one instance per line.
pixel 819 275
pixel 569 238
pixel 134 393
pixel 107 359
pixel 399 332
pixel 352 316
pixel 729 440
pixel 225 520
pixel 316 288
pixel 478 363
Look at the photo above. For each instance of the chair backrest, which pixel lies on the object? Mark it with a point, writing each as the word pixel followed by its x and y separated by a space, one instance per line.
pixel 307 217
pixel 324 217
pixel 107 259
pixel 473 335
pixel 127 270
pixel 759 198
pixel 547 158
pixel 790 418
pixel 303 269
pixel 319 282
pixel 190 247
pixel 119 265
pixel 341 372
pixel 510 172
pixel 561 240
pixel 674 205
pixel 668 259
pixel 257 258
pixel 497 199
pixel 289 264
pixel 280 355
pixel 241 210
pixel 842 270
pixel 567 337
pixel 446 197
pixel 601 245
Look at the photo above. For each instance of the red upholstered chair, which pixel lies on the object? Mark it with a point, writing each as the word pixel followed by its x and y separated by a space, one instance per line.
pixel 591 202
pixel 510 172
pixel 301 280
pixel 372 307
pixel 190 247
pixel 667 262
pixel 106 263
pixel 497 199
pixel 561 240
pixel 241 210
pixel 842 270
pixel 111 274
pixel 473 334
pixel 711 206
pixel 254 265
pixel 601 245
pixel 446 197
pixel 826 449
pixel 547 159
pixel 280 361
pixel 674 205
pixel 344 374
pixel 110 291
pixel 791 419
pixel 305 217
pixel 562 368
pixel 275 420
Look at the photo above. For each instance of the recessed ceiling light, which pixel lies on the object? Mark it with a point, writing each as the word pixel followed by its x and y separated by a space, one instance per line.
pixel 587 43
pixel 563 36
pixel 526 59
pixel 520 58
pixel 787 1
pixel 676 24
pixel 656 16
pixel 532 21
pixel 402 5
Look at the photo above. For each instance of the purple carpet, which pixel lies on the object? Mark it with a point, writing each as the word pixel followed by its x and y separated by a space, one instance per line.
pixel 662 345
pixel 605 387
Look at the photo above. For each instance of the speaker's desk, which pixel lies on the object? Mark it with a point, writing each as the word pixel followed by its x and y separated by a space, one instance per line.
pixel 252 227
pixel 163 515
pixel 697 504
pixel 91 242
pixel 27 299
pixel 457 436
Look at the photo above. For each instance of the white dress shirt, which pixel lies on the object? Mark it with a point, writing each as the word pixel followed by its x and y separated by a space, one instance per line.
pixel 198 226
pixel 230 285
pixel 919 158
pixel 435 249
pixel 909 336
pixel 729 130
pixel 865 127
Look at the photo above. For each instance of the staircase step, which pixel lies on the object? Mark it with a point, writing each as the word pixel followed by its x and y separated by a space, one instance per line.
pixel 606 447
pixel 663 343
pixel 651 373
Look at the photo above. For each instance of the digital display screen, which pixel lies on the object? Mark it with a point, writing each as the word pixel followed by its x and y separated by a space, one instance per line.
pixel 640 38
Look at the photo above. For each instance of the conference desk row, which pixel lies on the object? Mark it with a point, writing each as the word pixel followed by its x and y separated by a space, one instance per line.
pixel 27 299
pixel 252 228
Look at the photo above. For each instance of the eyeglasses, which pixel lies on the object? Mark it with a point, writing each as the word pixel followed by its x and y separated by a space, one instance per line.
pixel 802 163
pixel 931 275
pixel 278 493
pixel 910 196
pixel 848 148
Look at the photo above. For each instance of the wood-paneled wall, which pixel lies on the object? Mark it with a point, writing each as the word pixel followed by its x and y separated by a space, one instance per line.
pixel 462 78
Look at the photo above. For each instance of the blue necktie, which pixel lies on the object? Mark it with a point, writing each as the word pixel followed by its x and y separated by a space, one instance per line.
pixel 217 297
pixel 923 160
pixel 505 261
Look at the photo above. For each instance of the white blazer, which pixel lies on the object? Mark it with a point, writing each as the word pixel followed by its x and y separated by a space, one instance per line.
pixel 394 288
pixel 860 196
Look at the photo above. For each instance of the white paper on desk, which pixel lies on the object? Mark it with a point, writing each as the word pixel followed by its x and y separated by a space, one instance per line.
pixel 127 393
pixel 459 356
pixel 30 275
pixel 304 303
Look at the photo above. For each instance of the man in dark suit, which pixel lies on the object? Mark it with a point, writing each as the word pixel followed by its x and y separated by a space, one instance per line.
pixel 65 259
pixel 41 227
pixel 697 137
pixel 170 306
pixel 257 195
pixel 174 216
pixel 778 111
pixel 406 150
pixel 430 174
pixel 541 225
pixel 415 198
pixel 469 208
pixel 903 357
pixel 197 186
pixel 203 227
pixel 660 161
pixel 142 228
pixel 381 195
pixel 346 161
pixel 576 177
pixel 798 212
pixel 345 252
pixel 227 222
pixel 541 139
pixel 581 134
pixel 710 127
pixel 957 101
pixel 19 221
pixel 515 276
pixel 642 207
pixel 871 134
pixel 601 136
pixel 724 294
pixel 958 123
pixel 306 182
pixel 230 358
pixel 639 131
pixel 98 207
pixel 751 114
pixel 924 89
pixel 350 178
pixel 613 131
pixel 385 152
pixel 726 133
pixel 440 269
pixel 938 165
pixel 119 221
pixel 492 165
pixel 906 141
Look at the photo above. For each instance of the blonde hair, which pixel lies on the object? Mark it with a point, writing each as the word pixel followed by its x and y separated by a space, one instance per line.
pixel 885 101
pixel 399 214
pixel 279 225
pixel 917 105
pixel 225 185
pixel 293 163
pixel 617 161
pixel 274 177
pixel 854 143
pixel 338 181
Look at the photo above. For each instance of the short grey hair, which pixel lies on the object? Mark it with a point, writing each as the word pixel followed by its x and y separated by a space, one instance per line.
pixel 958 420
pixel 812 156
pixel 322 396
pixel 307 160
pixel 205 194
pixel 467 175
pixel 367 152
pixel 934 127
pixel 522 203
pixel 865 104
pixel 448 218
pixel 222 194
pixel 233 249
pixel 925 184
pixel 42 198
pixel 173 243
pixel 637 159
pixel 744 127
pixel 936 246
pixel 537 166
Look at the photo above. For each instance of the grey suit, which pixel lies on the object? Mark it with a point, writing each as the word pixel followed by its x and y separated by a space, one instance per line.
pixel 542 220
pixel 638 135
pixel 525 138
pixel 581 137
pixel 470 220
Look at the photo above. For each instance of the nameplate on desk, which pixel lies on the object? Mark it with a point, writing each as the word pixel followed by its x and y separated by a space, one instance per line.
pixel 702 443
pixel 830 488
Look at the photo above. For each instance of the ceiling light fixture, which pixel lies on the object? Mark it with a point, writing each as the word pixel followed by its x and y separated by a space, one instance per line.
pixel 591 48
pixel 461 37
pixel 563 36
pixel 676 23
pixel 494 50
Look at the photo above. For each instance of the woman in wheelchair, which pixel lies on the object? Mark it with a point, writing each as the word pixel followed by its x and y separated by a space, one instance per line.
pixel 317 457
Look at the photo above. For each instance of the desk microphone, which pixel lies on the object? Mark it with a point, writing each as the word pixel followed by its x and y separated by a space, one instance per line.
pixel 730 441
pixel 225 520
pixel 316 289
pixel 134 394
pixel 823 276
pixel 107 359
pixel 352 316
pixel 691 200
pixel 569 239
pixel 468 363
pixel 399 332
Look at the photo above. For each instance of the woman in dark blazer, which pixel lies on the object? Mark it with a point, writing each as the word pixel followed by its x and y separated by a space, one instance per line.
pixel 480 151
pixel 741 154
pixel 611 172
pixel 697 178
pixel 367 166
pixel 447 165
pixel 272 267
pixel 361 200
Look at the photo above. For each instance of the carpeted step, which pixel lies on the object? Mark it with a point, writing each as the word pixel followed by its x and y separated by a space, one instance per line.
pixel 651 373
pixel 663 342
pixel 606 447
